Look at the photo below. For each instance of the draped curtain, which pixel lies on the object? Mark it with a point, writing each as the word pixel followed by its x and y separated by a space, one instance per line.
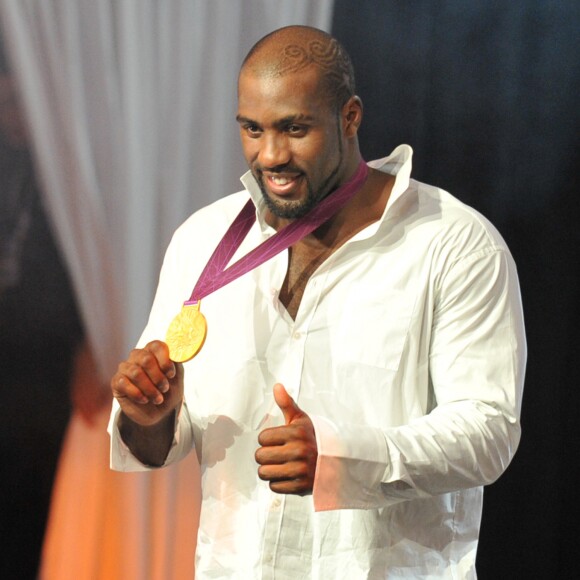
pixel 131 107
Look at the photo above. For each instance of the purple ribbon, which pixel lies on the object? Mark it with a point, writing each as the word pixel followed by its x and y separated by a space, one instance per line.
pixel 214 276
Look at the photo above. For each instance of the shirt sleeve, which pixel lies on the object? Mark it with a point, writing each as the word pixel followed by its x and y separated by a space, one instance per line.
pixel 477 357
pixel 168 298
pixel 121 458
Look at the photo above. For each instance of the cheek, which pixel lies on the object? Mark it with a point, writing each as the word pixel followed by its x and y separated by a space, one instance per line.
pixel 311 152
pixel 249 147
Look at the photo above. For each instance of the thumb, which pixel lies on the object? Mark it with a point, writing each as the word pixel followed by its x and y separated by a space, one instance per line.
pixel 286 403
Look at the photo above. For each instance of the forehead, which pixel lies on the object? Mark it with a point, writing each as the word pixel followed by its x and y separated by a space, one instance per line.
pixel 294 93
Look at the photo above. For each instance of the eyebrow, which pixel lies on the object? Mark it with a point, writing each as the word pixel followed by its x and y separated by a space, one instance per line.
pixel 241 119
pixel 280 122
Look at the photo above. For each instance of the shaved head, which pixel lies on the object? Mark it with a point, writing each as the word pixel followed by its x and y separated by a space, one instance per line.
pixel 294 49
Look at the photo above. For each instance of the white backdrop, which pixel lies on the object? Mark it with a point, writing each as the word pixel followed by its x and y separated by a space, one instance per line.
pixel 131 106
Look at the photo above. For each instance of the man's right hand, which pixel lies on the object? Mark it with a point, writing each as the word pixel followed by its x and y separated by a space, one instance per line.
pixel 148 385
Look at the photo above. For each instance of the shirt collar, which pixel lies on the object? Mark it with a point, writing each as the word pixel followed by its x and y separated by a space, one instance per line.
pixel 249 182
pixel 398 163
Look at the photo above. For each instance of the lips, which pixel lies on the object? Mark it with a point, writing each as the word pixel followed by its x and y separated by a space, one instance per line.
pixel 283 184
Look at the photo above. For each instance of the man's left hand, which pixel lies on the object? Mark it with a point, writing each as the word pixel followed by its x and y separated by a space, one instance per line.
pixel 288 454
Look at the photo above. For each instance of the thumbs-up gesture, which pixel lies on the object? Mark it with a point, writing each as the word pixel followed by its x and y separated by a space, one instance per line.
pixel 288 454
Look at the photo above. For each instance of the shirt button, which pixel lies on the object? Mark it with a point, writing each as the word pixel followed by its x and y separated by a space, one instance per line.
pixel 276 502
pixel 297 335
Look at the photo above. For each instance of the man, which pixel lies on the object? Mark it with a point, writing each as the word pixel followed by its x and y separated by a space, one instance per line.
pixel 355 391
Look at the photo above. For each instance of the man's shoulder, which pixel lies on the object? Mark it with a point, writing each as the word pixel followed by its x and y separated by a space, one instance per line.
pixel 214 215
pixel 454 221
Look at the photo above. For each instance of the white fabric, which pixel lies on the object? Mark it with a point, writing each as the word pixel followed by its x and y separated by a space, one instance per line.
pixel 407 351
pixel 129 102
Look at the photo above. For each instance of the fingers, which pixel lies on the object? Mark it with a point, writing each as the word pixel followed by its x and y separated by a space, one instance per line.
pixel 145 375
pixel 288 454
pixel 286 434
pixel 161 352
pixel 286 403
pixel 287 475
pixel 295 478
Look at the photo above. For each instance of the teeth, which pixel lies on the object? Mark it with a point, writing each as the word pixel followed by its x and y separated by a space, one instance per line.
pixel 280 180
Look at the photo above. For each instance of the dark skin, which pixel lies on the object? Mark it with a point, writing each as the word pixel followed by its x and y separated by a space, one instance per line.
pixel 299 147
pixel 149 389
pixel 288 454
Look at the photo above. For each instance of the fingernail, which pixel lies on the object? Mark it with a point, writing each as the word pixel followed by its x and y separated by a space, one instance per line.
pixel 158 400
pixel 164 386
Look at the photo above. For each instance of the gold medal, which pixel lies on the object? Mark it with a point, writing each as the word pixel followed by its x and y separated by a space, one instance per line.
pixel 186 333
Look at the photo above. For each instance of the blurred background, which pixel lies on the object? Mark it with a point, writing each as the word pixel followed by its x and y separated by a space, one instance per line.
pixel 117 121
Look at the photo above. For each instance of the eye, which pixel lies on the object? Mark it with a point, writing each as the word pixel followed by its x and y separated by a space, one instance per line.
pixel 252 130
pixel 296 130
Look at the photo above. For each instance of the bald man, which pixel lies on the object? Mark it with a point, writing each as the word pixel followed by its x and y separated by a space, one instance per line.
pixel 360 376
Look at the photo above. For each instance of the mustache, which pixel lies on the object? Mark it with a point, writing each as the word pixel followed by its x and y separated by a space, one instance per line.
pixel 259 169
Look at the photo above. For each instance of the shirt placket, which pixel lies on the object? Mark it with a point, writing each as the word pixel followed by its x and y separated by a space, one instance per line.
pixel 296 345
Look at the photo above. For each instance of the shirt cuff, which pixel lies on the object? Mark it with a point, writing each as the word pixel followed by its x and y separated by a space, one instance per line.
pixel 352 463
pixel 121 458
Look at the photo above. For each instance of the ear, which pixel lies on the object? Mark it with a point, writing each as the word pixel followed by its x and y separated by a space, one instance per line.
pixel 352 113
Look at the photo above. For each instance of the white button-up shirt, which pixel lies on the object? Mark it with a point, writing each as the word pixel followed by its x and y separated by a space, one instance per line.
pixel 407 352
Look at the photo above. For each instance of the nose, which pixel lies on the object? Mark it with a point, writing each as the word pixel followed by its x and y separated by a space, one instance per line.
pixel 274 150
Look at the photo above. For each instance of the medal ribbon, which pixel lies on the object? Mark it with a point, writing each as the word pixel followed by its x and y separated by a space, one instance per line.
pixel 215 277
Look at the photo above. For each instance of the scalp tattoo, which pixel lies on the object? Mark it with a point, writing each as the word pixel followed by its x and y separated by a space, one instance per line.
pixel 322 54
pixel 295 48
pixel 327 56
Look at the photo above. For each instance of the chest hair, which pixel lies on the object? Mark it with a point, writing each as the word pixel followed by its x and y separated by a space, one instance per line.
pixel 302 264
pixel 305 257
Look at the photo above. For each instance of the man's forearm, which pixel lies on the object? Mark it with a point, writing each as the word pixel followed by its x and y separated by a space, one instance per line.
pixel 151 444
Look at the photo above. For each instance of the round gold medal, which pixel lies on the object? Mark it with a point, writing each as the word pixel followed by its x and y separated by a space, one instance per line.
pixel 186 333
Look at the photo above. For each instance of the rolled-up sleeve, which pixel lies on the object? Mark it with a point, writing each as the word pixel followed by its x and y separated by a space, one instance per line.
pixel 121 458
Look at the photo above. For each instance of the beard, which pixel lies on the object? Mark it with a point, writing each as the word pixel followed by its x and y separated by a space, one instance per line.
pixel 299 208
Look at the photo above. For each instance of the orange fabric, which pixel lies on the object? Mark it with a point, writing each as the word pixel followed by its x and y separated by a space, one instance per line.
pixel 106 525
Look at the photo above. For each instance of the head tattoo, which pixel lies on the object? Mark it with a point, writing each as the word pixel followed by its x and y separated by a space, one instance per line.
pixel 294 48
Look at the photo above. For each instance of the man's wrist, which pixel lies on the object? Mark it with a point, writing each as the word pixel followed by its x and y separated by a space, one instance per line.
pixel 150 444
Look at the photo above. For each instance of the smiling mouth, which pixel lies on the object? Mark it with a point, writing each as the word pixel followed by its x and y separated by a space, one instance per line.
pixel 282 184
